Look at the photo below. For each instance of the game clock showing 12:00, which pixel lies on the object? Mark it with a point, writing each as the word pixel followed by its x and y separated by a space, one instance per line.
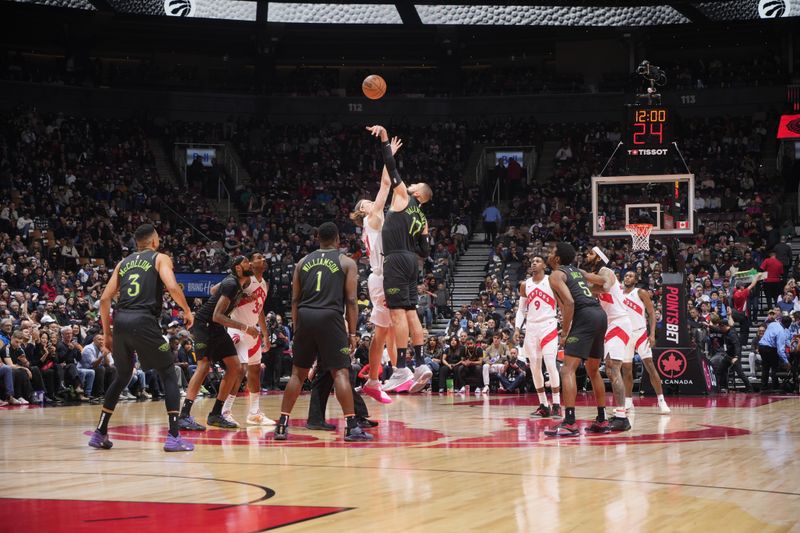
pixel 649 127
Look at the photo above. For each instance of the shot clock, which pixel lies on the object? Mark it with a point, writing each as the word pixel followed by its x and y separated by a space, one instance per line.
pixel 649 128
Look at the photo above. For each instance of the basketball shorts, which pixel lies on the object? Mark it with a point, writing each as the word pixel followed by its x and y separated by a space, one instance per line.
pixel 541 339
pixel 400 271
pixel 380 316
pixel 247 348
pixel 138 332
pixel 587 336
pixel 212 341
pixel 642 344
pixel 320 333
pixel 619 340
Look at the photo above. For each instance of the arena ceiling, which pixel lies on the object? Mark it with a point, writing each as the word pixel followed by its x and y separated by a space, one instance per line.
pixel 600 13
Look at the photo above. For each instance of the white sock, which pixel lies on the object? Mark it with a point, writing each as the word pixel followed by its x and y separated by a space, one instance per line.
pixel 619 412
pixel 373 384
pixel 542 398
pixel 661 399
pixel 253 400
pixel 628 402
pixel 228 405
pixel 557 398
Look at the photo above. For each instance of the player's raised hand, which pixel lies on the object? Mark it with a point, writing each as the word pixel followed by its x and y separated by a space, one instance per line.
pixel 378 131
pixel 396 144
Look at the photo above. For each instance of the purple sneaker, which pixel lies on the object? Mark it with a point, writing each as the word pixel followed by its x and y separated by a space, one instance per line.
pixel 177 444
pixel 100 441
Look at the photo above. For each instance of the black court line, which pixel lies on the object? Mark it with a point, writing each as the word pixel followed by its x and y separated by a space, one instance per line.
pixel 268 492
pixel 433 470
pixel 117 519
pixel 343 509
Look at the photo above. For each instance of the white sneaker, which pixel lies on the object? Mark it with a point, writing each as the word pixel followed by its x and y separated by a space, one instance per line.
pixel 147 395
pixel 183 393
pixel 663 408
pixel 229 418
pixel 259 419
pixel 22 401
pixel 401 379
pixel 461 390
pixel 422 376
pixel 477 392
pixel 485 389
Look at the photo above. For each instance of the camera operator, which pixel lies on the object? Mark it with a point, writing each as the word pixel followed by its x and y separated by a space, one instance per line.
pixel 732 354
pixel 513 375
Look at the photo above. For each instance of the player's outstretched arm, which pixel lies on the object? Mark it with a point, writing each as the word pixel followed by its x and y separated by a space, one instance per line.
pixel 651 315
pixel 376 213
pixel 111 290
pixel 605 279
pixel 565 301
pixel 167 275
pixel 522 308
pixel 350 302
pixel 400 198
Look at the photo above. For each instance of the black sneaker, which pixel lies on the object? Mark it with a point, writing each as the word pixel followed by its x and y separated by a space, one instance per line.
pixel 280 433
pixel 188 423
pixel 365 423
pixel 619 424
pixel 563 430
pixel 543 411
pixel 321 426
pixel 357 434
pixel 555 411
pixel 599 426
pixel 220 422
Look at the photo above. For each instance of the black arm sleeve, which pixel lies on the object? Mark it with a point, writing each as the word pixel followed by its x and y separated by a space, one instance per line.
pixel 391 164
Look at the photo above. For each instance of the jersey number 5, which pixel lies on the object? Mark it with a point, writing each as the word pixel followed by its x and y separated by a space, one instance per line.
pixel 586 290
pixel 133 290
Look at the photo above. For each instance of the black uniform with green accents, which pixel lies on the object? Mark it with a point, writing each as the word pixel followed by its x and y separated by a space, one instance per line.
pixel 589 323
pixel 401 233
pixel 136 314
pixel 211 340
pixel 320 330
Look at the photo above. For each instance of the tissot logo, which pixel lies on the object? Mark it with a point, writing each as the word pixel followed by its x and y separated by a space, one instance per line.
pixel 649 151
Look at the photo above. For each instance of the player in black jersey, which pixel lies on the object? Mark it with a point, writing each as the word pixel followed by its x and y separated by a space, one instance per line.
pixel 140 280
pixel 405 236
pixel 583 329
pixel 324 285
pixel 214 345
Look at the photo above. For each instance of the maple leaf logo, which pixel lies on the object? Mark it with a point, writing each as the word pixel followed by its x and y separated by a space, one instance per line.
pixel 672 363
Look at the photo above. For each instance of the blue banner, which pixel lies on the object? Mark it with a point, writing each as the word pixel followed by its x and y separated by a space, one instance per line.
pixel 197 285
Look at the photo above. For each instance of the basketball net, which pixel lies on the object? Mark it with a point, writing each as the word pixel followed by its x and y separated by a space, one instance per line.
pixel 640 233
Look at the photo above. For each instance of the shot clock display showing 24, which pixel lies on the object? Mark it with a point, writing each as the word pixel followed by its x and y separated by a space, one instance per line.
pixel 649 128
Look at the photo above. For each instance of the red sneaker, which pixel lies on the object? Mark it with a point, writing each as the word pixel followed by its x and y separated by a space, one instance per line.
pixel 563 430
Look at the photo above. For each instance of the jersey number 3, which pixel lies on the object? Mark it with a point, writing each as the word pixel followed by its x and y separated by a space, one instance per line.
pixel 134 289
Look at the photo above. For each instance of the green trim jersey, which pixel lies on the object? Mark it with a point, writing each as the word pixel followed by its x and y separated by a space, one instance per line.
pixel 401 229
pixel 140 286
pixel 322 281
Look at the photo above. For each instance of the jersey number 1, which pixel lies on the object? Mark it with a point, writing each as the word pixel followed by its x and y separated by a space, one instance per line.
pixel 319 280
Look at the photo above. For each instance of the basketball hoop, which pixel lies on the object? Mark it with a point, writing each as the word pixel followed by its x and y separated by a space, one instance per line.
pixel 640 233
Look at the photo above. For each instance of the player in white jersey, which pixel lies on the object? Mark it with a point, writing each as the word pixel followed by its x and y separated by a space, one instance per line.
pixel 619 344
pixel 637 303
pixel 250 312
pixel 369 215
pixel 537 310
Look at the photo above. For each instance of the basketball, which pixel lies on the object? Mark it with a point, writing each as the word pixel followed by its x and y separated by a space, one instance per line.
pixel 373 86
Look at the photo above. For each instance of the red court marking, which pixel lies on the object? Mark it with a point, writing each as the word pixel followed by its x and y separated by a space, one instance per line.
pixel 389 434
pixel 521 433
pixel 587 400
pixel 69 516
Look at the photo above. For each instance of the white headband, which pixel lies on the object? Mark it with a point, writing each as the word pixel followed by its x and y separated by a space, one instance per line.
pixel 599 252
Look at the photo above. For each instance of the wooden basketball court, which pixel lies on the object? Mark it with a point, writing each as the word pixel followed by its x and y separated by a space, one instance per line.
pixel 438 463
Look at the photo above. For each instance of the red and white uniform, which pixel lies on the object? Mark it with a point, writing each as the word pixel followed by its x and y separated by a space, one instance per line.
pixel 619 342
pixel 372 240
pixel 538 309
pixel 636 312
pixel 255 296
